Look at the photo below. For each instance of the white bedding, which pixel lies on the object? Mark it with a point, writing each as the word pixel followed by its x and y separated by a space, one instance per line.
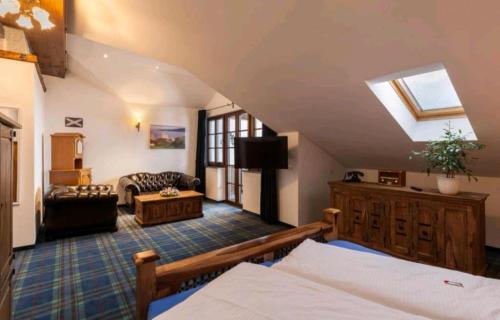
pixel 255 292
pixel 398 284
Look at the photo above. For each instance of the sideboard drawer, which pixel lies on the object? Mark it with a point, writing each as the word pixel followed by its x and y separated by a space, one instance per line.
pixel 424 216
pixel 400 228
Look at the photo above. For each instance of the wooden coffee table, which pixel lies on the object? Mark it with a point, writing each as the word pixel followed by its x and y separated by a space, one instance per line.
pixel 154 209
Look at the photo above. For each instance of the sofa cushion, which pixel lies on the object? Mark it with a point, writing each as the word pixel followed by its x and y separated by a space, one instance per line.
pixel 149 182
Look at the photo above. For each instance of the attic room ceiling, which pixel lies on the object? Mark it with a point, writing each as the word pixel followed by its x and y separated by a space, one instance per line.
pixel 302 65
pixel 133 78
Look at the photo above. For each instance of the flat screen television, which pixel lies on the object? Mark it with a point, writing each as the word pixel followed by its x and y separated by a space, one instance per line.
pixel 261 153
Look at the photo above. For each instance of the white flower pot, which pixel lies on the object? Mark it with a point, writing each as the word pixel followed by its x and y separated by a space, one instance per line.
pixel 450 186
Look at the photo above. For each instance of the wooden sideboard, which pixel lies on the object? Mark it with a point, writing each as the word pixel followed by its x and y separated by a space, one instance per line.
pixel 6 254
pixel 428 227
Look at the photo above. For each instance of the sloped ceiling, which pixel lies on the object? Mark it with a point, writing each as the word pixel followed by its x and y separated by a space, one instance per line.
pixel 302 65
pixel 133 78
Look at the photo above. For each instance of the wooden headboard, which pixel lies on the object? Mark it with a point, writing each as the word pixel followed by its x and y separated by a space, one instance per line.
pixel 154 282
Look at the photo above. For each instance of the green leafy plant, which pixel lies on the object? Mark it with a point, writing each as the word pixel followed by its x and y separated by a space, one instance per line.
pixel 450 155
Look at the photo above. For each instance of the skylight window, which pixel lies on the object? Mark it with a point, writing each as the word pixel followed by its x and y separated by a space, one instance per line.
pixel 429 95
pixel 422 101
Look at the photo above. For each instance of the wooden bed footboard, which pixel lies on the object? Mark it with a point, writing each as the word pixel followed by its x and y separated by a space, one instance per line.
pixel 154 282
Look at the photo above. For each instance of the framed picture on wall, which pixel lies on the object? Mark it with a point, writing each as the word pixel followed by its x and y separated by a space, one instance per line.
pixel 167 137
pixel 73 122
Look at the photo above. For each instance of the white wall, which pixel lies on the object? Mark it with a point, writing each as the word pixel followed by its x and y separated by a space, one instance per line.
pixel 20 88
pixel 38 128
pixel 316 169
pixel 217 101
pixel 215 186
pixel 251 191
pixel 113 147
pixel 303 188
pixel 490 185
pixel 288 183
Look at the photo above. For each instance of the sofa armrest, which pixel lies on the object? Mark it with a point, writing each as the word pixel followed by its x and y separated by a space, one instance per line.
pixel 128 184
pixel 188 182
pixel 50 197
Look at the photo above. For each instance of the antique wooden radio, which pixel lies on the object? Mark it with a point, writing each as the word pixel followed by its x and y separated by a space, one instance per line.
pixel 392 178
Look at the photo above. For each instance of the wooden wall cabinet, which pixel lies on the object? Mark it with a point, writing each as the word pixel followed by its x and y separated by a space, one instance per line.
pixel 6 199
pixel 428 227
pixel 71 177
pixel 67 160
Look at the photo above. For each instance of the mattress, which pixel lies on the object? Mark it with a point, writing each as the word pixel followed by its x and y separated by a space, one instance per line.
pixel 416 288
pixel 253 292
pixel 161 305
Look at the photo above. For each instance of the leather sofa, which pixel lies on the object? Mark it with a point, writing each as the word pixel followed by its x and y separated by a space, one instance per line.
pixel 141 183
pixel 73 210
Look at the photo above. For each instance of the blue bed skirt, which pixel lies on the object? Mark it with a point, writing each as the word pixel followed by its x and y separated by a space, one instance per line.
pixel 161 305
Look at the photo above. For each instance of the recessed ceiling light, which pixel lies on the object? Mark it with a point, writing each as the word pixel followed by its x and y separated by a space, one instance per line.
pixel 157 67
pixel 105 56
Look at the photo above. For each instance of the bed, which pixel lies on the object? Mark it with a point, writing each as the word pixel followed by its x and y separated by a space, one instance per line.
pixel 162 305
pixel 330 278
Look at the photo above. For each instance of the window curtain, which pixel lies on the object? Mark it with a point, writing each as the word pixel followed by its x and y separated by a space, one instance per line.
pixel 201 150
pixel 268 188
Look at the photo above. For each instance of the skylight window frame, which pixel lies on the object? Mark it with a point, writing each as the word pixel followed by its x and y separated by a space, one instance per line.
pixel 413 106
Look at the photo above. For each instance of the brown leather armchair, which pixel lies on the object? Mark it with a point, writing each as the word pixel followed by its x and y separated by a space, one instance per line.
pixel 140 183
pixel 73 210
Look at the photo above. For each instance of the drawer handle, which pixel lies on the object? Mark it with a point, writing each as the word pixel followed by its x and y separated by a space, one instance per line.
pixel 425 235
pixel 401 226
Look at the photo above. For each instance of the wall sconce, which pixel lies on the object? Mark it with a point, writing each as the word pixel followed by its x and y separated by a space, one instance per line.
pixel 137 115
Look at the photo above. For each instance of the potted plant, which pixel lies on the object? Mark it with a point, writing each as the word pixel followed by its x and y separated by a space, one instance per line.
pixel 450 155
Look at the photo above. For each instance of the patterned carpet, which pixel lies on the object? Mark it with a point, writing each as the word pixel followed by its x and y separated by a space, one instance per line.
pixel 93 277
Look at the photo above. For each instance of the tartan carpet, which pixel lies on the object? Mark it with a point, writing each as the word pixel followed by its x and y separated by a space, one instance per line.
pixel 93 276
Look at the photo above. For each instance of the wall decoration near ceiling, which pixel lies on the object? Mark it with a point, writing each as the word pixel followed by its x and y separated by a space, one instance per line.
pixel 167 137
pixel 72 122
pixel 27 12
pixel 43 22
